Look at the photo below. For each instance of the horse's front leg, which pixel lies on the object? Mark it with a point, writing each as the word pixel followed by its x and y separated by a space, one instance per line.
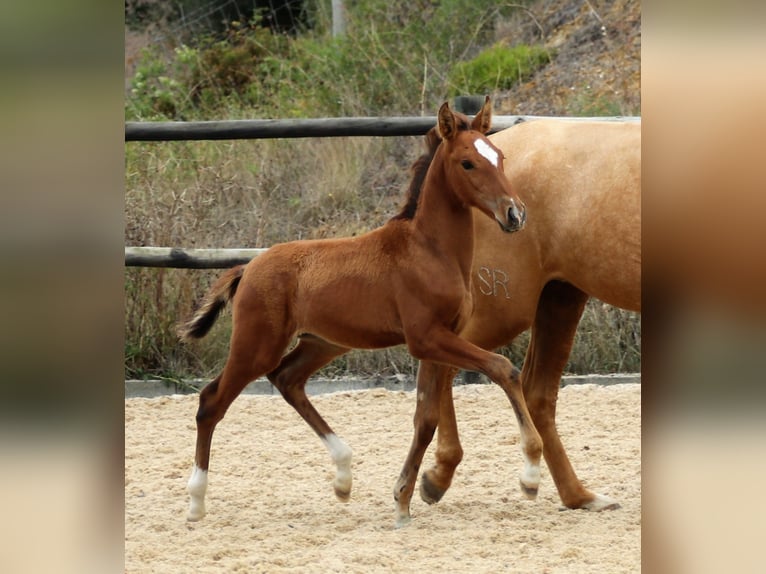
pixel 290 378
pixel 558 313
pixel 435 481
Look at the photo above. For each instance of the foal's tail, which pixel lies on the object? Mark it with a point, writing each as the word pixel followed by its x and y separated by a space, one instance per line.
pixel 211 306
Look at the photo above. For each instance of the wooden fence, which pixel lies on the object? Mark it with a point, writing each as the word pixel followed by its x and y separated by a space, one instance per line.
pixel 269 129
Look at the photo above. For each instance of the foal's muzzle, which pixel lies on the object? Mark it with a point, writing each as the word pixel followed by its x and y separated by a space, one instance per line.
pixel 516 218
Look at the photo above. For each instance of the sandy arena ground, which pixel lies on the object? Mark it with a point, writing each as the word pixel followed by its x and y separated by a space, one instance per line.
pixel 271 506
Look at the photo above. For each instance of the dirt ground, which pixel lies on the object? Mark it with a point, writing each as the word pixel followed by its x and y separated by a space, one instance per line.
pixel 271 506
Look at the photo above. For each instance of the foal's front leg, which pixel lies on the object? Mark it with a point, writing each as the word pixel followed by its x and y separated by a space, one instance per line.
pixel 435 481
pixel 444 346
pixel 425 421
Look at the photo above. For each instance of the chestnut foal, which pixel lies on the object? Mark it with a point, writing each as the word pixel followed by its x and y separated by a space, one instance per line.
pixel 371 291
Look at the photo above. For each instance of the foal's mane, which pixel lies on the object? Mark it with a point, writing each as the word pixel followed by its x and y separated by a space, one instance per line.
pixel 420 167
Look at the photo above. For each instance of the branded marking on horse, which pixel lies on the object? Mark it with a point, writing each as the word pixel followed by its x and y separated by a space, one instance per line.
pixel 493 282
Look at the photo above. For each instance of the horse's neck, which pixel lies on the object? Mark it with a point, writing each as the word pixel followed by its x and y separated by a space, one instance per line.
pixel 444 221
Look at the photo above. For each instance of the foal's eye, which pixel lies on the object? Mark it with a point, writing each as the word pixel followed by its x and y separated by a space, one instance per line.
pixel 466 164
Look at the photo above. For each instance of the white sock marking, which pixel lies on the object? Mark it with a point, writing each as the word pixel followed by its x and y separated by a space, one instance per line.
pixel 486 151
pixel 341 455
pixel 197 487
pixel 530 475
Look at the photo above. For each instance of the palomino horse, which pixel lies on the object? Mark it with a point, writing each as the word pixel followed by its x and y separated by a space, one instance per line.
pixel 370 291
pixel 581 183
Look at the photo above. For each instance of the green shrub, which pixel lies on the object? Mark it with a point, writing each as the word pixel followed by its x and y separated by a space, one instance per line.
pixel 395 59
pixel 497 68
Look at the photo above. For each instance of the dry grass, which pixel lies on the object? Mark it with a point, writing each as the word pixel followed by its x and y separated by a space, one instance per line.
pixel 258 193
pixel 245 194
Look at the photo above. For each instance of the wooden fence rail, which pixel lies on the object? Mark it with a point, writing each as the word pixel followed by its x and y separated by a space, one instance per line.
pixel 306 128
pixel 179 258
pixel 268 129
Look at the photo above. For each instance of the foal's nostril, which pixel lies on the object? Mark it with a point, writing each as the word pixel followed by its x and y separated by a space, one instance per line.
pixel 513 217
pixel 516 217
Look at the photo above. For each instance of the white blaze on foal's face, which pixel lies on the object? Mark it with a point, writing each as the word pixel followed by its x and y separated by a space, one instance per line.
pixel 486 151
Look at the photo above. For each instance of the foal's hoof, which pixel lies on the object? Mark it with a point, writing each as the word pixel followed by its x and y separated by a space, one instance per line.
pixel 530 492
pixel 195 515
pixel 343 495
pixel 342 485
pixel 429 492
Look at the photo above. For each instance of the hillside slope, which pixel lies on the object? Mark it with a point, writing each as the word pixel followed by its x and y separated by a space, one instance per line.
pixel 596 69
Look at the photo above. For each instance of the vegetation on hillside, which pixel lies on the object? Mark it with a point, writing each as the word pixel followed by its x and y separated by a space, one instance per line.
pixel 397 58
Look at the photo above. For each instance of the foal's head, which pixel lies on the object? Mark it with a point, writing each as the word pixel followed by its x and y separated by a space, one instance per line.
pixel 474 167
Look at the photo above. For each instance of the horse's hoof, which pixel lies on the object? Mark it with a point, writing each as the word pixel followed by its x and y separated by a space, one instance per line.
pixel 342 485
pixel 402 520
pixel 600 503
pixel 195 515
pixel 343 496
pixel 342 490
pixel 196 510
pixel 530 480
pixel 429 492
pixel 530 492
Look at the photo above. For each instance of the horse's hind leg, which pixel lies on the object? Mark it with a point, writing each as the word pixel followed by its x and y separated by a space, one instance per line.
pixel 243 365
pixel 290 378
pixel 558 313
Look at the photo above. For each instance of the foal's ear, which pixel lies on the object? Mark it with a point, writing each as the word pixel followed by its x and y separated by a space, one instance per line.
pixel 447 123
pixel 483 120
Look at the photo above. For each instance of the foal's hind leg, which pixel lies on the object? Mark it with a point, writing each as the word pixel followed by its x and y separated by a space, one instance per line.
pixel 290 378
pixel 558 313
pixel 243 365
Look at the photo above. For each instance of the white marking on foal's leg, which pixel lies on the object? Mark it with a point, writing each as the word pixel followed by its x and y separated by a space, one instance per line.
pixel 341 455
pixel 197 486
pixel 530 478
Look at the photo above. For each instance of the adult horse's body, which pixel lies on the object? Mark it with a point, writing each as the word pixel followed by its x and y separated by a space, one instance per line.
pixel 581 183
pixel 370 291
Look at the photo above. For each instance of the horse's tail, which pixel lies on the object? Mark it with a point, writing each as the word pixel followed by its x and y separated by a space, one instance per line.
pixel 211 306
